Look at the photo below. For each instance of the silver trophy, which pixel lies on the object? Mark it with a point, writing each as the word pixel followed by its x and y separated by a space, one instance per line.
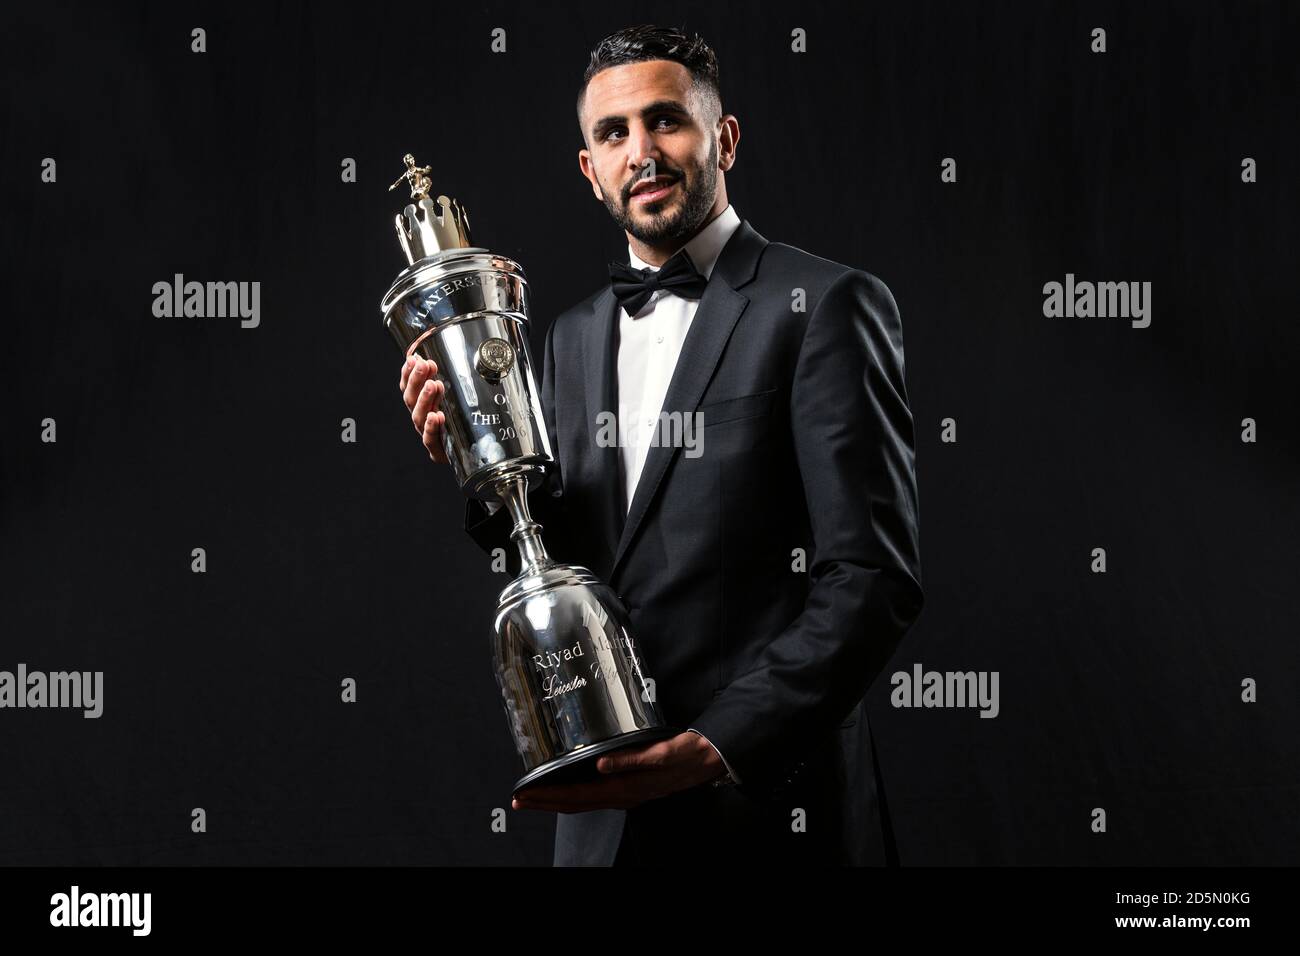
pixel 564 657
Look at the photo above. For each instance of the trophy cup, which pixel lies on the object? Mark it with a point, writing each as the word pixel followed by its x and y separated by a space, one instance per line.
pixel 562 651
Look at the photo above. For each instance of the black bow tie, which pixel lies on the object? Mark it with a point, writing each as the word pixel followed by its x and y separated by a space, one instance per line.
pixel 634 287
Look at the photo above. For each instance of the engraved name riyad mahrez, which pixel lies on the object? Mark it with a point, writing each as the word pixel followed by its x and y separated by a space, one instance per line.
pixel 568 667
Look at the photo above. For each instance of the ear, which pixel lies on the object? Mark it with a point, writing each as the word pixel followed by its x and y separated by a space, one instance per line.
pixel 589 170
pixel 728 138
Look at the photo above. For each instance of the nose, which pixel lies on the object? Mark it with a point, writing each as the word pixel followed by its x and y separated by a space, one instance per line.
pixel 641 146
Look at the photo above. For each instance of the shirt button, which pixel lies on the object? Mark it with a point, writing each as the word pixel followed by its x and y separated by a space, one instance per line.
pixel 660 340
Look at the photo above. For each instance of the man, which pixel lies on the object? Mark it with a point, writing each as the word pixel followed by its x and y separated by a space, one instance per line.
pixel 771 566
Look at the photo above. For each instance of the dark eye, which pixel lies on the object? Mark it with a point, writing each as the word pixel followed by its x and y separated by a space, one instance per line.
pixel 665 121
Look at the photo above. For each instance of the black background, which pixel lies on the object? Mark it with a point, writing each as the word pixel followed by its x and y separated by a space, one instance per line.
pixel 329 560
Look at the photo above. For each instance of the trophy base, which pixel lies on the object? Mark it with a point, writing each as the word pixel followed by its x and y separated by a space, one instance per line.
pixel 580 765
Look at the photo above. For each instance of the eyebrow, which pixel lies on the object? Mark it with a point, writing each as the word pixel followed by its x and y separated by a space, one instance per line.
pixel 602 125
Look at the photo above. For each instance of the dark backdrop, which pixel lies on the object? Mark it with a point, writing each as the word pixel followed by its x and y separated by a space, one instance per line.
pixel 329 560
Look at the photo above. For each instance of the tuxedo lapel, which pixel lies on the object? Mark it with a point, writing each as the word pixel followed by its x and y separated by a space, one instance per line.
pixel 599 342
pixel 716 316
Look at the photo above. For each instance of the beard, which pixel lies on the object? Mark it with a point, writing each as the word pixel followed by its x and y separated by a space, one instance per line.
pixel 658 226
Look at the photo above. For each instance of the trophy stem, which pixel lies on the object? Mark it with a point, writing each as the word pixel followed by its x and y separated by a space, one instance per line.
pixel 527 533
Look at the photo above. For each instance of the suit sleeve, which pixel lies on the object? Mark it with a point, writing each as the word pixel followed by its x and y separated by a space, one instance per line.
pixel 491 530
pixel 854 444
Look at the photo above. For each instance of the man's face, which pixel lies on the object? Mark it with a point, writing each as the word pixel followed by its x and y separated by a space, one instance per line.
pixel 642 118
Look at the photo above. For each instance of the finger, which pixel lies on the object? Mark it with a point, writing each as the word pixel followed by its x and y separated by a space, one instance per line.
pixel 619 793
pixel 433 437
pixel 406 371
pixel 415 378
pixel 421 372
pixel 566 792
pixel 427 401
pixel 635 758
pixel 576 805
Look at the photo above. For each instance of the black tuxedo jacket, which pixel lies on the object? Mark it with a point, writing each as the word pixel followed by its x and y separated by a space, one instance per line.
pixel 796 364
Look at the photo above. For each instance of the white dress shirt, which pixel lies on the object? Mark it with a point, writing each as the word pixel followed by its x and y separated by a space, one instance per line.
pixel 649 344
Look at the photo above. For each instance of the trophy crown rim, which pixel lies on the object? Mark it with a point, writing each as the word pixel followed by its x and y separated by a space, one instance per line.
pixel 437 268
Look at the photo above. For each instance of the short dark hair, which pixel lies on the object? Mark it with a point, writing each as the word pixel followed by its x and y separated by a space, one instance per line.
pixel 650 42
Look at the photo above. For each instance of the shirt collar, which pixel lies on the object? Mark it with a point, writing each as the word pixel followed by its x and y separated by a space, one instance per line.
pixel 707 245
